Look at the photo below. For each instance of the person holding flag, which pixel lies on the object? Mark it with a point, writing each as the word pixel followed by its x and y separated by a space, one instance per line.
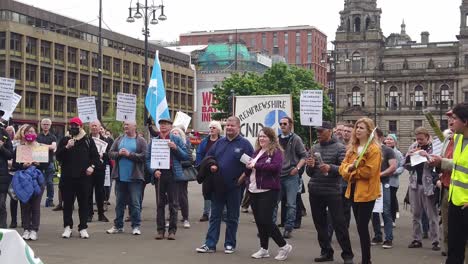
pixel 361 169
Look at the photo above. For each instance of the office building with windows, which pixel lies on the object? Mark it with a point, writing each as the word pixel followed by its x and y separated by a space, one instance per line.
pixel 54 60
pixel 303 46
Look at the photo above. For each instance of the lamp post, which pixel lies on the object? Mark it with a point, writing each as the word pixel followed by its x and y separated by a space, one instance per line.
pixel 147 9
pixel 376 82
pixel 331 58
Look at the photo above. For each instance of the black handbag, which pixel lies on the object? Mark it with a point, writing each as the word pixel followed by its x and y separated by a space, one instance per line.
pixel 190 172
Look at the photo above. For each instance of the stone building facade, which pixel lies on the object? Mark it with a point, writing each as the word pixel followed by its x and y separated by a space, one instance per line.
pixel 392 79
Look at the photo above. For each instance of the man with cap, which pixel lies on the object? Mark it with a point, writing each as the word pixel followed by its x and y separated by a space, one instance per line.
pixel 166 179
pixel 78 156
pixel 325 192
pixel 129 153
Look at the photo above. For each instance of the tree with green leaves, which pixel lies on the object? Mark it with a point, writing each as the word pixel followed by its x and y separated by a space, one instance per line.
pixel 279 79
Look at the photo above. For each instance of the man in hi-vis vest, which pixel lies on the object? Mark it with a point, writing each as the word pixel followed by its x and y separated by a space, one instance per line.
pixel 458 191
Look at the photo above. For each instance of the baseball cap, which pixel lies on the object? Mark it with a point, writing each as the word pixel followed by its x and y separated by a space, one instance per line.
pixel 76 120
pixel 325 125
pixel 165 120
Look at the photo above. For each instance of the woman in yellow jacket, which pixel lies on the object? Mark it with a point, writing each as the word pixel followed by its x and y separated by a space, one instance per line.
pixel 363 180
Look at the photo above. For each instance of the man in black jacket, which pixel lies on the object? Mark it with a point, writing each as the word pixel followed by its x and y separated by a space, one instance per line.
pixel 325 192
pixel 6 153
pixel 78 156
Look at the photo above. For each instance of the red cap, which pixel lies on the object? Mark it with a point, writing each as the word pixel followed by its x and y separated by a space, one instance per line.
pixel 449 113
pixel 76 120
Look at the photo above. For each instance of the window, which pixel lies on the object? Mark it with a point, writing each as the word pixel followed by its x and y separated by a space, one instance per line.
pixel 59 77
pixel 59 52
pixel 84 79
pixel 357 24
pixel 106 63
pixel 168 79
pixel 106 83
pixel 15 41
pixel 15 70
pixel 45 102
pixel 190 102
pixel 58 103
pixel 2 68
pixel 126 87
pixel 31 73
pixel 253 42
pixel 190 82
pixel 71 82
pixel 30 100
pixel 94 84
pixel 136 87
pixel 392 126
pixel 356 62
pixel 176 98
pixel 298 48
pixel 31 46
pixel 309 47
pixel 286 47
pixel 136 69
pixel 116 88
pixel 393 101
pixel 417 123
pixel 126 67
pixel 356 97
pixel 444 96
pixel 45 75
pixel 116 68
pixel 71 105
pixel 275 39
pixel 94 60
pixel 72 55
pixel 264 41
pixel 418 97
pixel 84 58
pixel 105 107
pixel 2 40
pixel 45 49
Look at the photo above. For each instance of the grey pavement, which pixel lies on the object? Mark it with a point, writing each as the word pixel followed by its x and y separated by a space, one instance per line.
pixel 103 248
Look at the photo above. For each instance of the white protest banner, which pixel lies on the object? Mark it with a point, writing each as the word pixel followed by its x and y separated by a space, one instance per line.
pixel 182 120
pixel 101 145
pixel 13 249
pixel 126 107
pixel 437 146
pixel 160 154
pixel 378 205
pixel 107 179
pixel 14 102
pixel 256 112
pixel 87 108
pixel 7 89
pixel 311 107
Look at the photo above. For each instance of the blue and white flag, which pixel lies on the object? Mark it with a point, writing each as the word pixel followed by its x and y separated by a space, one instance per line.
pixel 155 101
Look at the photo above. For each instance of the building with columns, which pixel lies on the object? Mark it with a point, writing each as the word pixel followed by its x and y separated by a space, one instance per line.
pixel 393 78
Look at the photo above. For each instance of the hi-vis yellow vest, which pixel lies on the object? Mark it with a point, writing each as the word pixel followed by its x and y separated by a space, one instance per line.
pixel 458 192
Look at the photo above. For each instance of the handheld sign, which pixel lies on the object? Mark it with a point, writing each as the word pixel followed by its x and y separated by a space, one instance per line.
pixel 87 108
pixel 14 102
pixel 182 120
pixel 311 107
pixel 126 107
pixel 7 89
pixel 160 154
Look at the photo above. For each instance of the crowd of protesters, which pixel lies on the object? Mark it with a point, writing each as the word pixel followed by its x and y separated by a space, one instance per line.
pixel 350 166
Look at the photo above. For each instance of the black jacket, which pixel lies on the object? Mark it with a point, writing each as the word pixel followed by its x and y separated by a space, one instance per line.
pixel 77 159
pixel 333 153
pixel 6 153
pixel 212 183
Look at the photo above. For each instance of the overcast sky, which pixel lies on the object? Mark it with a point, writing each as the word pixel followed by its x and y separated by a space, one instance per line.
pixel 440 18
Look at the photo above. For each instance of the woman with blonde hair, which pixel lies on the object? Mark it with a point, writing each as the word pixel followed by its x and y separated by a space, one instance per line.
pixel 363 179
pixel 263 184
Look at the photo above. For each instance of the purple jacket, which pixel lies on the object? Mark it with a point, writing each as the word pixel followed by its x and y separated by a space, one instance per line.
pixel 268 169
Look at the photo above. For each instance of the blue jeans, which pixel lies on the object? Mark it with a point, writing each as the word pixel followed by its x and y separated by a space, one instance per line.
pixel 289 189
pixel 49 174
pixel 231 200
pixel 132 191
pixel 387 216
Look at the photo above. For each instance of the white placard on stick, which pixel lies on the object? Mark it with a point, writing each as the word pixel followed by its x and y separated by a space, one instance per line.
pixel 14 102
pixel 87 108
pixel 7 89
pixel 126 107
pixel 311 107
pixel 160 154
pixel 182 120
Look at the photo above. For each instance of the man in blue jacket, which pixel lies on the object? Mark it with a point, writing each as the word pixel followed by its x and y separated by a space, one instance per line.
pixel 165 180
pixel 227 151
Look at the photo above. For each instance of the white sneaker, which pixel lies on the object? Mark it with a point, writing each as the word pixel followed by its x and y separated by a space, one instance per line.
pixel 26 235
pixel 397 215
pixel 167 224
pixel 262 253
pixel 186 224
pixel 136 231
pixel 115 230
pixel 283 252
pixel 33 235
pixel 229 249
pixel 67 232
pixel 84 234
